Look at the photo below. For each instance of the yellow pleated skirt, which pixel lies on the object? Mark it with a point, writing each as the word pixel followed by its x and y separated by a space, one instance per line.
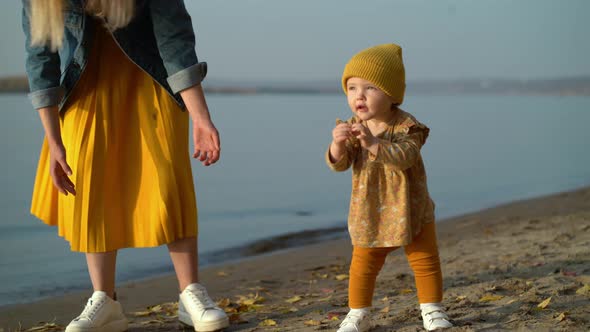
pixel 126 141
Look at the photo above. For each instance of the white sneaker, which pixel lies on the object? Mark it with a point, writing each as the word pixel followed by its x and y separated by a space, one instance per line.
pixel 356 321
pixel 101 314
pixel 434 317
pixel 195 308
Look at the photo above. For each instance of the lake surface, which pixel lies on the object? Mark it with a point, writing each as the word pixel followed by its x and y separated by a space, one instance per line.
pixel 272 180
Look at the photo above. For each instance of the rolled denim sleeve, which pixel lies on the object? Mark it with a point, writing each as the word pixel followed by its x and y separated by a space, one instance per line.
pixel 43 68
pixel 176 43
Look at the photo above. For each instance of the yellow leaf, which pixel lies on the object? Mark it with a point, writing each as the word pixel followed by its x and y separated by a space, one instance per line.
pixel 323 276
pixel 384 310
pixel 545 303
pixel 490 298
pixel 585 290
pixel 312 322
pixel 385 299
pixel 406 291
pixel 268 322
pixel 294 299
pixel 341 277
pixel 223 303
pixel 44 327
pixel 222 274
pixel 561 317
pixel 460 298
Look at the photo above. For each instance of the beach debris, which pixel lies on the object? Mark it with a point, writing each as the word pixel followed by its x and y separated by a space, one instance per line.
pixel 237 319
pixel 384 310
pixel 584 290
pixel 294 299
pixel 222 274
pixel 341 277
pixel 312 322
pixel 289 310
pixel 460 298
pixel 168 309
pixel 406 291
pixel 268 322
pixel 490 298
pixel 561 317
pixel 45 327
pixel 334 315
pixel 545 303
pixel 153 321
pixel 569 273
pixel 251 299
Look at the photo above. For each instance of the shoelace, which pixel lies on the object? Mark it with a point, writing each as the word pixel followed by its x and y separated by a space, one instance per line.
pixel 201 299
pixel 90 310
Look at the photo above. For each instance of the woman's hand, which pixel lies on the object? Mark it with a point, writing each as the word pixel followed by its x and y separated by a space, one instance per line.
pixel 205 135
pixel 58 166
pixel 59 169
pixel 206 141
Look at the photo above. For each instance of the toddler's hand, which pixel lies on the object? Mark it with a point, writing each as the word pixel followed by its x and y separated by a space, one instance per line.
pixel 364 135
pixel 341 133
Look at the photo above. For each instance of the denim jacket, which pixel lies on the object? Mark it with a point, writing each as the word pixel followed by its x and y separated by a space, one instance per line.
pixel 159 39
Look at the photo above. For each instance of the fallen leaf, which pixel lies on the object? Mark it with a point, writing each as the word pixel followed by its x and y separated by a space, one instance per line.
pixel 223 303
pixel 294 299
pixel 384 310
pixel 584 290
pixel 312 322
pixel 268 322
pixel 222 274
pixel 490 298
pixel 45 327
pixel 335 314
pixel 545 303
pixel 460 298
pixel 341 277
pixel 153 321
pixel 569 273
pixel 406 291
pixel 561 317
pixel 511 301
pixel 237 319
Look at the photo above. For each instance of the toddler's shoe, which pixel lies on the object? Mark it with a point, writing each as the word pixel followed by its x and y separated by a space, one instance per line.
pixel 197 309
pixel 356 321
pixel 434 317
pixel 101 314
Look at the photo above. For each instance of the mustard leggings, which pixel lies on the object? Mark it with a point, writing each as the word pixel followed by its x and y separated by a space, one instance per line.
pixel 422 254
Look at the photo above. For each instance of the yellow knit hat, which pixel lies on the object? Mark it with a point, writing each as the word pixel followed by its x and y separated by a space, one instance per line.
pixel 381 65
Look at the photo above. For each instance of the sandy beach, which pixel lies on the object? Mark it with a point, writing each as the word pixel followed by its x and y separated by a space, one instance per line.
pixel 520 266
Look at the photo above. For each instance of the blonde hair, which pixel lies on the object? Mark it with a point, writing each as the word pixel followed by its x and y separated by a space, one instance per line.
pixel 47 18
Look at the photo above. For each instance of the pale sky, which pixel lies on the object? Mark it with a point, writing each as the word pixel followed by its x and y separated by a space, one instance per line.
pixel 305 40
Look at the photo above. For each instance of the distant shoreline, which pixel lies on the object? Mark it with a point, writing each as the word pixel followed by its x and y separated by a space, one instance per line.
pixel 573 86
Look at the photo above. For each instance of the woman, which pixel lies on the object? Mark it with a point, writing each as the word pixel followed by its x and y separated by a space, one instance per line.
pixel 111 80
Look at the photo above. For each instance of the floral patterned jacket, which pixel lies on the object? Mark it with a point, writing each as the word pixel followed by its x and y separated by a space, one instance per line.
pixel 390 200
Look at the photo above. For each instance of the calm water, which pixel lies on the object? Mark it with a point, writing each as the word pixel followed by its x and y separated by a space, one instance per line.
pixel 483 150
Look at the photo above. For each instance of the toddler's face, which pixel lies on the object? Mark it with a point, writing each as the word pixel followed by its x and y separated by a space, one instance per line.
pixel 367 101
